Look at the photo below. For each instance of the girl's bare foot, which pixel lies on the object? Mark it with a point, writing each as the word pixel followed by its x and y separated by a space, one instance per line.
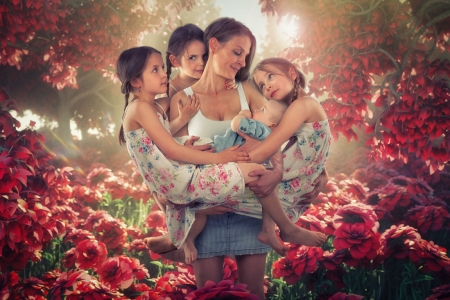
pixel 190 252
pixel 176 255
pixel 301 236
pixel 159 244
pixel 269 237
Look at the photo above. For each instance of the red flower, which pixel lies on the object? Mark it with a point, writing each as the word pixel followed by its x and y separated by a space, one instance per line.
pixel 7 281
pixel 135 233
pixel 331 260
pixel 118 271
pixel 90 254
pixel 68 281
pixel 222 290
pixel 68 260
pixel 173 285
pixel 136 246
pixel 355 188
pixel 32 288
pixel 359 238
pixel 156 221
pixel 299 260
pixel 344 296
pixel 95 218
pixel 441 292
pixel 50 277
pixel 396 241
pixel 66 213
pixel 356 213
pixel 230 271
pixel 98 176
pixel 141 291
pixel 78 235
pixel 113 233
pixel 427 217
pixel 432 257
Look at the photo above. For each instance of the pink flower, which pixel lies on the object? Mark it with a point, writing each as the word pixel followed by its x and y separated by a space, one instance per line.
pixel 358 238
pixel 222 290
pixel 356 213
pixel 427 217
pixel 432 257
pixel 396 241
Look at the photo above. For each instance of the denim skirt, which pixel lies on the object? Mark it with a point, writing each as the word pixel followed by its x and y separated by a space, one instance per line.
pixel 230 234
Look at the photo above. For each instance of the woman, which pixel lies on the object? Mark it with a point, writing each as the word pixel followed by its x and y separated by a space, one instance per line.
pixel 231 48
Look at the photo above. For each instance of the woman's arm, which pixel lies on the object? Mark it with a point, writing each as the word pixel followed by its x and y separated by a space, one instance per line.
pixel 146 117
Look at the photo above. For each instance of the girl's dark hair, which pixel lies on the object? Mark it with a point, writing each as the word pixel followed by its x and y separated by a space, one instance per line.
pixel 224 29
pixel 130 65
pixel 274 64
pixel 178 42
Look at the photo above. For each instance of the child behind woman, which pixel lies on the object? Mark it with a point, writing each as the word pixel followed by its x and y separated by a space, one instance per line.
pixel 145 130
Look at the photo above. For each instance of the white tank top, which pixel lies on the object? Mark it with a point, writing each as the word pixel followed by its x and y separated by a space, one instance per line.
pixel 200 126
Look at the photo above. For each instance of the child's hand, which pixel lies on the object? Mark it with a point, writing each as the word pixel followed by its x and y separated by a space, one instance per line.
pixel 191 107
pixel 229 155
pixel 230 84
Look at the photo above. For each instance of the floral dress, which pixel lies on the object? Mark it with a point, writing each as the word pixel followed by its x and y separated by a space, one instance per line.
pixel 183 184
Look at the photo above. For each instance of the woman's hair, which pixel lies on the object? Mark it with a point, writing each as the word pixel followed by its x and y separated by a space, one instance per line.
pixel 224 29
pixel 282 65
pixel 130 65
pixel 178 42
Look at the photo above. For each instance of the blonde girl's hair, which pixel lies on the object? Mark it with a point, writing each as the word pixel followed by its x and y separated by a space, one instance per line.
pixel 130 65
pixel 178 42
pixel 283 65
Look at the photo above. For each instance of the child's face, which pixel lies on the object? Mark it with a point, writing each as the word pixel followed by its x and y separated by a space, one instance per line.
pixel 273 85
pixel 193 59
pixel 264 114
pixel 154 78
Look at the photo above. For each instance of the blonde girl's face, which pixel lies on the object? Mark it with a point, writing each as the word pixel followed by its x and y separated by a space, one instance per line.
pixel 229 58
pixel 193 59
pixel 273 84
pixel 154 78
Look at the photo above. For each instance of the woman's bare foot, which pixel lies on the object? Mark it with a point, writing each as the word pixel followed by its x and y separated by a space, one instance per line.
pixel 269 237
pixel 159 244
pixel 190 252
pixel 301 236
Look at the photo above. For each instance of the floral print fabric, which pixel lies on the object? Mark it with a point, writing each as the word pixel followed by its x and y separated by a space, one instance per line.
pixel 183 184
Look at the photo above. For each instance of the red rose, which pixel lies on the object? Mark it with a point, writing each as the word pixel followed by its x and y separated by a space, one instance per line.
pixel 90 254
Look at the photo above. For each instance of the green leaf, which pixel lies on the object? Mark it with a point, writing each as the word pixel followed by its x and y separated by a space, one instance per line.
pixel 157 263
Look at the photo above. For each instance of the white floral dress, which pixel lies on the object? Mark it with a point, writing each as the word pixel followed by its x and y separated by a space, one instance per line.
pixel 183 184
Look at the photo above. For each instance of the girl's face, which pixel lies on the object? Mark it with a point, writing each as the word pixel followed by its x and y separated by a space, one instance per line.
pixel 273 85
pixel 192 61
pixel 229 58
pixel 153 79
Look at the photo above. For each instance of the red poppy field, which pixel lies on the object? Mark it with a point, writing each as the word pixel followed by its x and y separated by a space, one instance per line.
pixel 70 234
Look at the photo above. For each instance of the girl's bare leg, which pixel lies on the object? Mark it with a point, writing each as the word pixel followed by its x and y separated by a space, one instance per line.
pixel 208 269
pixel 251 272
pixel 190 252
pixel 289 232
pixel 159 244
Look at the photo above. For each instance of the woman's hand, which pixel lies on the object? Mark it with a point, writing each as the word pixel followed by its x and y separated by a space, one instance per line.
pixel 190 143
pixel 250 143
pixel 230 155
pixel 268 179
pixel 319 184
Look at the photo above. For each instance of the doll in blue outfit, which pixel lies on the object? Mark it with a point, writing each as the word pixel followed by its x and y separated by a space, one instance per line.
pixel 258 126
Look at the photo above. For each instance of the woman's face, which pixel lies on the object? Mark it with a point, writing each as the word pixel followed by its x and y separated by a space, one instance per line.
pixel 273 85
pixel 229 58
pixel 193 59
